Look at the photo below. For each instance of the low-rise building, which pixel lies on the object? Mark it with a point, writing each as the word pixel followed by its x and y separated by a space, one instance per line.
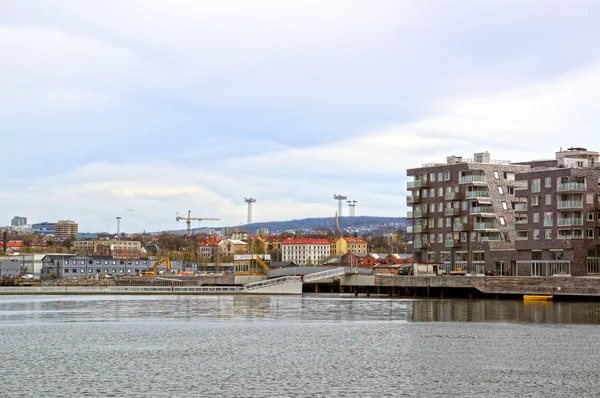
pixel 305 251
pixel 343 245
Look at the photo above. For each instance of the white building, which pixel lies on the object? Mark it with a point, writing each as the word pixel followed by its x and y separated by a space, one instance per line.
pixel 305 251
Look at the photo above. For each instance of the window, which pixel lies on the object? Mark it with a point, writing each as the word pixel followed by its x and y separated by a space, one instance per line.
pixel 496 175
pixel 424 194
pixel 448 221
pixel 510 190
pixel 432 177
pixel 66 271
pixel 446 176
pixel 431 192
pixel 440 238
pixel 432 207
pixel 548 182
pixel 504 205
pixel 502 221
pixel 66 262
pixel 440 176
pixel 548 219
pixel 432 240
pixel 589 198
pixel 465 205
pixel 536 234
pixel 589 234
pixel 548 199
pixel 590 216
pixel 535 200
pixel 500 191
pixel 440 207
pixel 440 222
pixel 548 233
pixel 440 191
pixel 535 185
pixel 536 217
pixel 473 236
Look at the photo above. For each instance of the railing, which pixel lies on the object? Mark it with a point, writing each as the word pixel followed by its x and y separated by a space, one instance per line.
pixel 316 276
pixel 271 282
pixel 521 207
pixel 452 211
pixel 419 229
pixel 478 267
pixel 470 179
pixel 409 230
pixel 459 227
pixel 522 221
pixel 462 265
pixel 452 196
pixel 545 267
pixel 482 209
pixel 486 225
pixel 567 222
pixel 452 242
pixel 409 214
pixel 570 204
pixel 593 265
pixel 490 238
pixel 416 184
pixel 420 213
pixel 572 186
pixel 417 244
pixel 410 199
pixel 548 223
pixel 478 194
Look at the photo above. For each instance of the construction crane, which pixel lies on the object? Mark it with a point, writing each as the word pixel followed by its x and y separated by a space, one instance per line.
pixel 189 218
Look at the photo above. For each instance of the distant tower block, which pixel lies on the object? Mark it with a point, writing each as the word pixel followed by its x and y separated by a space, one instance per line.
pixel 340 199
pixel 118 225
pixel 351 208
pixel 250 201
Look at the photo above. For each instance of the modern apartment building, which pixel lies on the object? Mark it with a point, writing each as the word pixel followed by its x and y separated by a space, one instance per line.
pixel 65 229
pixel 535 218
pixel 557 223
pixel 18 221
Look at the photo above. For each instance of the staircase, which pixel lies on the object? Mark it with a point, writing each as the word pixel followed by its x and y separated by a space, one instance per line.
pixel 330 273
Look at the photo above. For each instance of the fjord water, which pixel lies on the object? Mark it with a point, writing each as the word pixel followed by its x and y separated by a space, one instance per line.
pixel 311 346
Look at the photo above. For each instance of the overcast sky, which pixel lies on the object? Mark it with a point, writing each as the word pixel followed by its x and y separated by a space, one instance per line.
pixel 145 108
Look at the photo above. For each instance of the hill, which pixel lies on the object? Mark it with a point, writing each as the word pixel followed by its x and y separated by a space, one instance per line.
pixel 359 225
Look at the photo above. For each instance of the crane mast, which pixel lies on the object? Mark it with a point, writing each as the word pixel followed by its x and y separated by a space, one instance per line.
pixel 189 218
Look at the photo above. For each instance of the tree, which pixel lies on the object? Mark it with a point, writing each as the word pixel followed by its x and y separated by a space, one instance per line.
pixel 257 246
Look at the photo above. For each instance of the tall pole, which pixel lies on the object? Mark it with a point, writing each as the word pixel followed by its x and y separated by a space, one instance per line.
pixel 250 201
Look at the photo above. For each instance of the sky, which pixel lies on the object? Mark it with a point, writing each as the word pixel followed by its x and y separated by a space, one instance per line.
pixel 145 109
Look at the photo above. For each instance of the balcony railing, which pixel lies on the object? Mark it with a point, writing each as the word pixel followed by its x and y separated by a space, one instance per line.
pixel 521 207
pixel 482 210
pixel 593 265
pixel 548 223
pixel 416 184
pixel 412 199
pixel 419 229
pixel 459 227
pixel 478 194
pixel 486 225
pixel 417 244
pixel 522 221
pixel 420 214
pixel 452 211
pixel 570 204
pixel 572 186
pixel 494 238
pixel 409 214
pixel 452 243
pixel 452 196
pixel 569 222
pixel 471 179
pixel 409 230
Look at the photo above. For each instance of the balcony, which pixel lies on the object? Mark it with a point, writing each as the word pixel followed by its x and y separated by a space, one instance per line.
pixel 452 243
pixel 409 230
pixel 520 206
pixel 452 196
pixel 409 214
pixel 419 229
pixel 459 227
pixel 570 222
pixel 452 211
pixel 478 194
pixel 486 226
pixel 417 244
pixel 416 184
pixel 471 179
pixel 572 186
pixel 492 238
pixel 482 210
pixel 420 214
pixel 570 204
pixel 413 199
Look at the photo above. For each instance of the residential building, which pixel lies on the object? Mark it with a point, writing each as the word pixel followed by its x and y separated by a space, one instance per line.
pixel 209 248
pixel 536 218
pixel 65 229
pixel 462 212
pixel 305 251
pixel 344 245
pixel 239 234
pixel 18 221
pixel 231 247
pixel 114 248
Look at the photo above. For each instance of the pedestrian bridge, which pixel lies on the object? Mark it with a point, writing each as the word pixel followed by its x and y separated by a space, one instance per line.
pixel 330 273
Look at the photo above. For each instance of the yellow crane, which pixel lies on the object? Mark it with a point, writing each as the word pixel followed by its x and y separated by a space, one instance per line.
pixel 189 218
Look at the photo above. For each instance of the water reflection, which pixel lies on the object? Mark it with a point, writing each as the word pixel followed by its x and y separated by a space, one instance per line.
pixel 300 309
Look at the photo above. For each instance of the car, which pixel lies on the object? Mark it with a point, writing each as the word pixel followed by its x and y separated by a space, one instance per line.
pixel 28 276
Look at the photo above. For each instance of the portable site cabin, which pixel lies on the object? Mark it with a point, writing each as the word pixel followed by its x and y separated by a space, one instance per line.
pixel 251 264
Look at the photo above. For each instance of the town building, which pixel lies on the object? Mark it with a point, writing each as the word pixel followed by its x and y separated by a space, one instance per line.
pixel 535 218
pixel 305 251
pixel 65 229
pixel 344 245
pixel 18 221
pixel 127 249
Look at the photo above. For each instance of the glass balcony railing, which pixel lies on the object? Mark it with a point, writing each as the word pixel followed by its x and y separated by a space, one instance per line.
pixel 572 186
pixel 478 194
pixel 416 184
pixel 420 213
pixel 486 225
pixel 570 204
pixel 521 207
pixel 411 199
pixel 482 209
pixel 452 196
pixel 459 227
pixel 409 230
pixel 471 179
pixel 568 222
pixel 409 214
pixel 452 243
pixel 419 229
pixel 452 211
pixel 418 244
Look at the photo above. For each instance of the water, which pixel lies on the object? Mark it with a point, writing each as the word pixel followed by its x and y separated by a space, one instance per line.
pixel 261 346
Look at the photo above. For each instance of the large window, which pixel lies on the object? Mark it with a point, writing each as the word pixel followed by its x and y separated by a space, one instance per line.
pixel 535 185
pixel 548 182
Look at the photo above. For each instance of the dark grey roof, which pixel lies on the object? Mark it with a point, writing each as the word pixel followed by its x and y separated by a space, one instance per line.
pixel 278 264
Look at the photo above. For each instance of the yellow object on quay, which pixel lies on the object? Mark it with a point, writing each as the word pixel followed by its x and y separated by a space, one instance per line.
pixel 530 297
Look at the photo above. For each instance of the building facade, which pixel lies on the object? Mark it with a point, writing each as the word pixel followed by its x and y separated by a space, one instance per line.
pixel 343 245
pixel 18 221
pixel 535 218
pixel 65 229
pixel 305 251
